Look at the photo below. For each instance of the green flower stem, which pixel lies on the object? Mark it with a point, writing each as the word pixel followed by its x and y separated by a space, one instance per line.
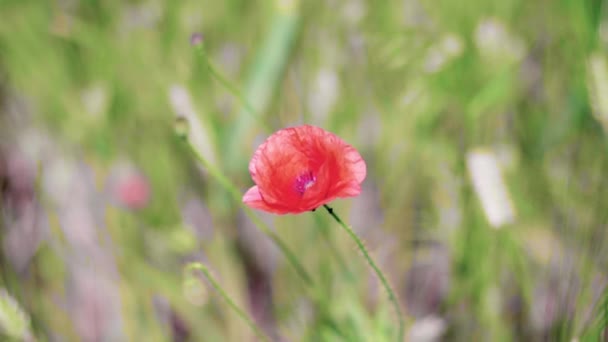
pixel 200 49
pixel 234 192
pixel 236 195
pixel 332 248
pixel 190 268
pixel 391 294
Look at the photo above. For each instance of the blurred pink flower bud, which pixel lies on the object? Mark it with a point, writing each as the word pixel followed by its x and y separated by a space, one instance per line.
pixel 196 39
pixel 129 188
pixel 134 192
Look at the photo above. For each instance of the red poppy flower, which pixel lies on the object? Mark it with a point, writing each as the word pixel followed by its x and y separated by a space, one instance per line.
pixel 300 168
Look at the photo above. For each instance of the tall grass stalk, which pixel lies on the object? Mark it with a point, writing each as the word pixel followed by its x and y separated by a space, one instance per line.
pixel 370 261
pixel 190 268
pixel 237 197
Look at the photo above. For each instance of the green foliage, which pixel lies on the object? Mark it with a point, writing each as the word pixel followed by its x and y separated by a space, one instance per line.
pixel 14 322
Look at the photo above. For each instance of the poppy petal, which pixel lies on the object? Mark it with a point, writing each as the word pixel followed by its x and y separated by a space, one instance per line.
pixel 252 195
pixel 253 198
pixel 300 168
pixel 355 164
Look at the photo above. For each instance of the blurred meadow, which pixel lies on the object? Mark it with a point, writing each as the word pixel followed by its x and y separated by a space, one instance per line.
pixel 126 128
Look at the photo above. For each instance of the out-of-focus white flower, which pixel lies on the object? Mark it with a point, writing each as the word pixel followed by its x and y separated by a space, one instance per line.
pixel 427 329
pixel 496 44
pixel 448 48
pixel 490 187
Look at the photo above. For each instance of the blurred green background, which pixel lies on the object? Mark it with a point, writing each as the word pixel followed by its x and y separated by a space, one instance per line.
pixel 482 123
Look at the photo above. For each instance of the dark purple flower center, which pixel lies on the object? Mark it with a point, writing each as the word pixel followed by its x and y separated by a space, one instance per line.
pixel 304 181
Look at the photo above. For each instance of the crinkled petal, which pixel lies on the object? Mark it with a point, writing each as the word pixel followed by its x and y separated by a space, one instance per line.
pixel 349 190
pixel 253 198
pixel 278 166
pixel 355 164
pixel 252 195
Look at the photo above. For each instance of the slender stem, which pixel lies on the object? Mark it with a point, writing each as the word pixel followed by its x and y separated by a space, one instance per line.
pixel 231 88
pixel 190 268
pixel 236 195
pixel 333 250
pixel 200 49
pixel 387 287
